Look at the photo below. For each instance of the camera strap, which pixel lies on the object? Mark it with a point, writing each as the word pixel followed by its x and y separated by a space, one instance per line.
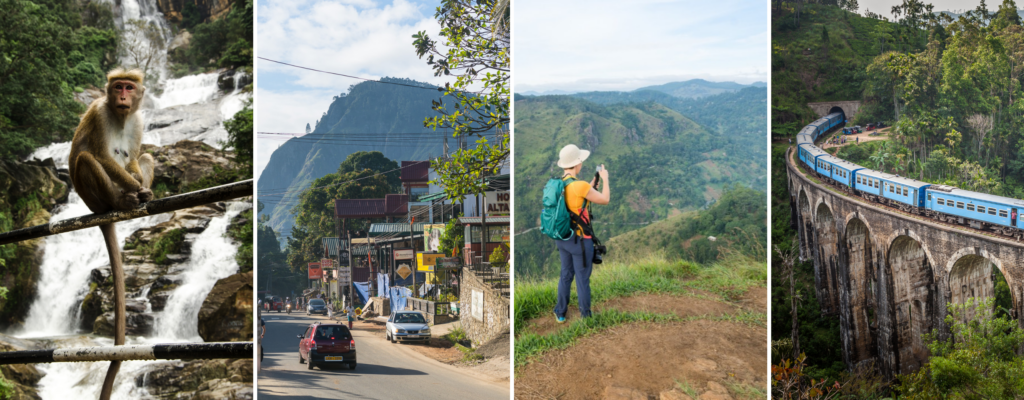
pixel 577 220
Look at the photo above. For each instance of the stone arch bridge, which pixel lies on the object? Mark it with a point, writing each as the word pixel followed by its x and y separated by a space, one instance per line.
pixel 888 276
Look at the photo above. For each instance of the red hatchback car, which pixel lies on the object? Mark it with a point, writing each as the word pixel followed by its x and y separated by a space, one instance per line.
pixel 325 344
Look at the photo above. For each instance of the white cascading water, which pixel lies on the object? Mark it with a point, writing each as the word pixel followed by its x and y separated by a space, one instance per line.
pixel 69 258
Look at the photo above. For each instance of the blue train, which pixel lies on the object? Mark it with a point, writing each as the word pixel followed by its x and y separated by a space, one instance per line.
pixel 945 203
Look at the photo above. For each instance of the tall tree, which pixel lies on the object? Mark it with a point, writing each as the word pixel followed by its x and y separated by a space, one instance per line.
pixel 475 50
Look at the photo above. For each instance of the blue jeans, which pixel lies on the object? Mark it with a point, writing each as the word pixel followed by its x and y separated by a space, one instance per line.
pixel 576 262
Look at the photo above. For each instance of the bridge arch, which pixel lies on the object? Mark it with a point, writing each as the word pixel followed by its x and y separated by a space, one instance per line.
pixel 827 262
pixel 914 299
pixel 971 274
pixel 863 283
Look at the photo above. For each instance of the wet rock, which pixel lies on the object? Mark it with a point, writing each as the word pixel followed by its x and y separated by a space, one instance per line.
pixel 158 300
pixel 89 95
pixel 136 324
pixel 182 39
pixel 226 314
pixel 185 162
pixel 204 379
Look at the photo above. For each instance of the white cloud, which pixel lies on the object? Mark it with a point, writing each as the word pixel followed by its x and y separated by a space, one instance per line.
pixel 363 38
pixel 614 45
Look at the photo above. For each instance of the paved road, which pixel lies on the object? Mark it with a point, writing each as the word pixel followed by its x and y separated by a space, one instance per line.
pixel 385 371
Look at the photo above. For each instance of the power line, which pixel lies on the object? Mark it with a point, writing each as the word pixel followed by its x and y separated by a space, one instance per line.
pixel 438 88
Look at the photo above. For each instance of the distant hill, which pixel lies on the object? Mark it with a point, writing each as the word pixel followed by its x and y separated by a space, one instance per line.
pixel 371 116
pixel 697 88
pixel 737 222
pixel 661 162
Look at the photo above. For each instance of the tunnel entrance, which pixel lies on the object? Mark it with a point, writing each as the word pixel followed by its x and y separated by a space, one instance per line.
pixel 838 109
pixel 825 227
pixel 863 285
pixel 913 299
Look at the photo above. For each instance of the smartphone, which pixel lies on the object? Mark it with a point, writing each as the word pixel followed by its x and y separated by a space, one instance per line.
pixel 600 168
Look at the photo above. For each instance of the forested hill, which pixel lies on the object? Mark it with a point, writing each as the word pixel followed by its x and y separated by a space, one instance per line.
pixel 370 117
pixel 661 163
pixel 696 88
pixel 821 54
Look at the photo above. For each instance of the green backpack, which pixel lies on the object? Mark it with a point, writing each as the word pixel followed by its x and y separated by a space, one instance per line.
pixel 555 220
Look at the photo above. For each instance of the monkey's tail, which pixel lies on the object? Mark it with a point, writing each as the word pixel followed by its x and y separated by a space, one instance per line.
pixel 114 251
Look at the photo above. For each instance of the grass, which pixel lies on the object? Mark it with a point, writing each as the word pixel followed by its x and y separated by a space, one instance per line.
pixel 456 335
pixel 728 278
pixel 469 354
pixel 745 391
pixel 530 345
pixel 687 389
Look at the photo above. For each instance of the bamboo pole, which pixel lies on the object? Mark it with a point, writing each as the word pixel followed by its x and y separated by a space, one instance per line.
pixel 159 206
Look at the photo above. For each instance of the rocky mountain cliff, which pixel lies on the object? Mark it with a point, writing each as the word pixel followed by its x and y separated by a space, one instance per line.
pixel 370 117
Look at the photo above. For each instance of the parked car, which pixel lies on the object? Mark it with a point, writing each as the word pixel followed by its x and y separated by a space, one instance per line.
pixel 408 326
pixel 316 306
pixel 327 344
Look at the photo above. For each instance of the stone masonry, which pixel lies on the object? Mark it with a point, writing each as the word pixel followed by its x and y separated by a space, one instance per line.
pixel 888 276
pixel 490 320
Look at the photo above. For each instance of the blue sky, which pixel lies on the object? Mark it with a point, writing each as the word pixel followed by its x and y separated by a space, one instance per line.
pixel 365 38
pixel 577 45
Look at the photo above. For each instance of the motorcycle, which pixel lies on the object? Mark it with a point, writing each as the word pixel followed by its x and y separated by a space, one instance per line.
pixel 289 308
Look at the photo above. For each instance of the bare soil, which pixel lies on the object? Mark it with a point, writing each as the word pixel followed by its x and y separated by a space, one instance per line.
pixel 682 306
pixel 649 359
pixel 756 299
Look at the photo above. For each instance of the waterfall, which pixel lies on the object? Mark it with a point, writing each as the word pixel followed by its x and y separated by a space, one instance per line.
pixel 213 258
pixel 188 108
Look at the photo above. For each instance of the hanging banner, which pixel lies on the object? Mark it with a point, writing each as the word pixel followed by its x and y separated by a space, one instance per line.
pixel 432 237
pixel 314 271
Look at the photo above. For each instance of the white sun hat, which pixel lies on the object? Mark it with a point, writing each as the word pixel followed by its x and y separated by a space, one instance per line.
pixel 571 156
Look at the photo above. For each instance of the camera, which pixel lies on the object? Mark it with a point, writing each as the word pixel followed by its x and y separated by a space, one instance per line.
pixel 599 252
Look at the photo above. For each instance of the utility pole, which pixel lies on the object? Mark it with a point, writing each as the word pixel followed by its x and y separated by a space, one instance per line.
pixel 412 243
pixel 483 219
pixel 351 289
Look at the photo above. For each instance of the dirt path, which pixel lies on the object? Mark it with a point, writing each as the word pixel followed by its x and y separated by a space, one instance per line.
pixel 883 134
pixel 680 305
pixel 643 360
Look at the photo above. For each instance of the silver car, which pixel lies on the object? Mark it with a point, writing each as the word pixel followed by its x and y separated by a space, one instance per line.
pixel 408 326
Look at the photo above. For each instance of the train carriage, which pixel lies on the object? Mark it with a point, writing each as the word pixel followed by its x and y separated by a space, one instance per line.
pixel 844 171
pixel 809 153
pixel 870 181
pixel 975 207
pixel 905 191
pixel 825 163
pixel 804 138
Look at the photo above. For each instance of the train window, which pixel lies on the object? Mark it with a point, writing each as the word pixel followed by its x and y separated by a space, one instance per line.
pixel 991 211
pixel 959 204
pixel 981 209
pixel 970 207
pixel 904 191
pixel 876 183
pixel 891 189
pixel 929 197
pixel 941 202
pixel 1002 213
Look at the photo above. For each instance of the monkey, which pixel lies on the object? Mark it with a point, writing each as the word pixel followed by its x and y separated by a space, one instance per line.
pixel 110 173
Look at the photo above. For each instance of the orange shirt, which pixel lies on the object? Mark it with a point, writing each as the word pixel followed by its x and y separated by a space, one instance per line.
pixel 575 194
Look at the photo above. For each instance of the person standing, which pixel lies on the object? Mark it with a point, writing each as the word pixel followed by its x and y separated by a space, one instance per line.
pixel 577 253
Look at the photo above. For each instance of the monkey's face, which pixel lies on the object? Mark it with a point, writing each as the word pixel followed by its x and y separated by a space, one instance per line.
pixel 124 96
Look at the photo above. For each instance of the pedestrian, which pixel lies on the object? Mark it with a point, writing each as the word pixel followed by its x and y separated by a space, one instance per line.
pixel 577 252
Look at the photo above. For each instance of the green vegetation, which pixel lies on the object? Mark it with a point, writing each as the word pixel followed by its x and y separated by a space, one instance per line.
pixel 47 53
pixel 469 354
pixel 727 278
pixel 222 43
pixel 978 361
pixel 477 52
pixel 168 243
pixel 661 164
pixel 357 178
pixel 242 233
